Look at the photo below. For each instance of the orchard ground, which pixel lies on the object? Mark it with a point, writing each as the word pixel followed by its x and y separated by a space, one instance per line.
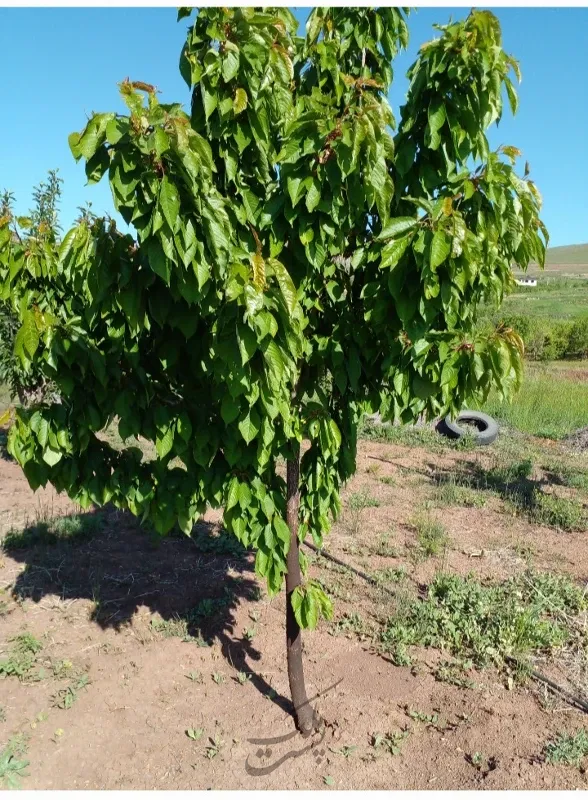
pixel 151 663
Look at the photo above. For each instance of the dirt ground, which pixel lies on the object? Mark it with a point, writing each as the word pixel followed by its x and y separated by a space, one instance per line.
pixel 112 613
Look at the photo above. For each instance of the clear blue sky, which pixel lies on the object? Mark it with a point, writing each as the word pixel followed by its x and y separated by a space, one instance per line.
pixel 62 64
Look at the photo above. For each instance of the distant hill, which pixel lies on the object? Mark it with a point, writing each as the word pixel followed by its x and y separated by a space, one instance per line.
pixel 569 255
pixel 570 260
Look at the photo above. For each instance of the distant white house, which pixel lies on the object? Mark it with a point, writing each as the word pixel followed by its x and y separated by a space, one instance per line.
pixel 526 282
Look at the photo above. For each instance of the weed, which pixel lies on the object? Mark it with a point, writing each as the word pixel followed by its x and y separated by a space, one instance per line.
pixel 567 749
pixel 391 575
pixel 22 657
pixel 65 698
pixel 328 780
pixel 170 627
pixel 420 716
pixel 450 492
pixel 475 759
pixel 214 747
pixel 218 677
pixel 254 615
pixel 389 480
pixel 391 742
pixel 195 677
pixel 432 537
pixel 373 469
pixel 194 733
pixel 2 714
pixel 243 677
pixel 526 613
pixel 249 634
pixel 346 751
pixel 360 500
pixel 12 766
pixel 350 623
pixel 384 549
pixel 454 673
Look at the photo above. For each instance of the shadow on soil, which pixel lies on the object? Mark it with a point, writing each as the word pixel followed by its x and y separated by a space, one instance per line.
pixel 193 584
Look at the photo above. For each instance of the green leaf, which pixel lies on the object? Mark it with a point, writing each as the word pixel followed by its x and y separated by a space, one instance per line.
pixel 230 409
pixel 250 426
pixel 285 283
pixel 397 226
pixel 436 115
pixel 440 248
pixel 164 442
pixel 313 196
pixel 158 261
pixel 51 456
pixel 240 101
pixel 394 250
pixel 169 202
pixel 230 65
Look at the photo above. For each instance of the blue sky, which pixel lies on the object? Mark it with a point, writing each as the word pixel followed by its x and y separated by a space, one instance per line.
pixel 61 64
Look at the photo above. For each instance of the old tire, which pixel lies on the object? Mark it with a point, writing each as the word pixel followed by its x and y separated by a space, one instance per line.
pixel 487 427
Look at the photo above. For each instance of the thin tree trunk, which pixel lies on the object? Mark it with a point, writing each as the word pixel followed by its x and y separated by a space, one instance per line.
pixel 303 712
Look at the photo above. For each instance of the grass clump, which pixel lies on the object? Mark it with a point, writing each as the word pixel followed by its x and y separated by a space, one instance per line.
pixel 558 512
pixel 451 492
pixel 567 748
pixel 432 537
pixel 487 622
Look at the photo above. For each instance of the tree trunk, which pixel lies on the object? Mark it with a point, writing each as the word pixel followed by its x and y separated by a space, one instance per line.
pixel 303 712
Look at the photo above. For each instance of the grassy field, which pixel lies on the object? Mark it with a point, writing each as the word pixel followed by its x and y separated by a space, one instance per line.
pixel 554 296
pixel 552 403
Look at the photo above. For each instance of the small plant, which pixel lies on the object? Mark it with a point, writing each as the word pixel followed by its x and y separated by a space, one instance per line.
pixel 194 733
pixel 454 673
pixel 65 698
pixel 567 748
pixel 476 759
pixel 218 677
pixel 391 742
pixel 171 627
pixel 346 751
pixel 431 535
pixel 195 677
pixel 389 480
pixel 421 716
pixel 22 657
pixel 360 500
pixel 2 714
pixel 243 677
pixel 214 747
pixel 391 575
pixel 254 615
pixel 350 623
pixel 384 549
pixel 12 766
pixel 328 780
pixel 249 634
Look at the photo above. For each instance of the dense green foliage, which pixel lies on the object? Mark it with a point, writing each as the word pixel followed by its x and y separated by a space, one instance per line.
pixel 294 264
pixel 27 382
pixel 548 339
pixel 529 612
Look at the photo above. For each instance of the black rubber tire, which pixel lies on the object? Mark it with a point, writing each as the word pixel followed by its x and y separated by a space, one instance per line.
pixel 487 427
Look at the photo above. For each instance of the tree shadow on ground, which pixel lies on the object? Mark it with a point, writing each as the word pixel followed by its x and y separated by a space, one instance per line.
pixel 193 584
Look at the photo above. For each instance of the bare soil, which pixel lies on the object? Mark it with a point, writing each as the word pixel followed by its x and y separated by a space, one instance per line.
pixel 112 606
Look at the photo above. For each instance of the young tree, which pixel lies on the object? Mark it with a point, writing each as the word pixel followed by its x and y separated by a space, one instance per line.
pixel 294 265
pixel 42 225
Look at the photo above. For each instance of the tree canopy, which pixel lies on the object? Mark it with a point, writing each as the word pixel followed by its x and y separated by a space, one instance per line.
pixel 296 260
